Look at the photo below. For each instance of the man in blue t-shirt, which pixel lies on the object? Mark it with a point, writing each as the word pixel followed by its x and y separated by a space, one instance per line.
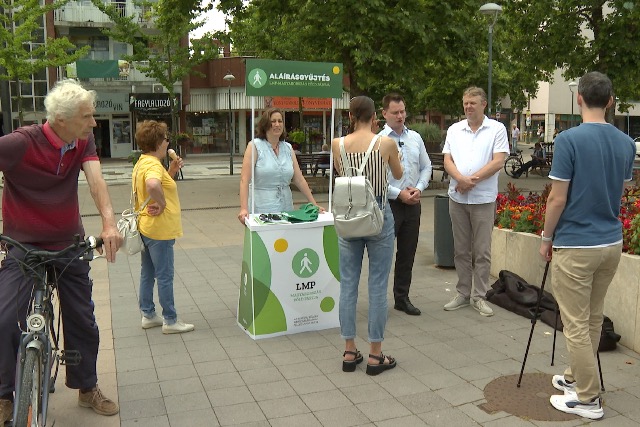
pixel 591 162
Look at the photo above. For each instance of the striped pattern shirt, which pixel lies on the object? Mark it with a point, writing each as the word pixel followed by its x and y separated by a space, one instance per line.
pixel 375 170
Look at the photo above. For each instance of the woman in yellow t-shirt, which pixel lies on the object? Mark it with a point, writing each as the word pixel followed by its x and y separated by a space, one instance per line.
pixel 159 223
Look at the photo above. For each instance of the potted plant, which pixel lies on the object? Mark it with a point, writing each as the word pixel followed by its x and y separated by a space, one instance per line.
pixel 298 137
pixel 184 141
pixel 431 135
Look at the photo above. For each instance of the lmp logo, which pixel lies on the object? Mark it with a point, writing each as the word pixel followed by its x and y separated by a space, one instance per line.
pixel 305 263
pixel 257 78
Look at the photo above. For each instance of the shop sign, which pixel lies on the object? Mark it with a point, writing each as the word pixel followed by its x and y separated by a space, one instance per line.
pixel 112 102
pixel 266 77
pixel 152 103
pixel 292 103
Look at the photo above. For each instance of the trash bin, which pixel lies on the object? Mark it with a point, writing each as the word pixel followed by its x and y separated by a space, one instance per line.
pixel 442 232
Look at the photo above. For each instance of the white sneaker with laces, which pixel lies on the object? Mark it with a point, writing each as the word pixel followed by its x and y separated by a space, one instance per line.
pixel 481 307
pixel 561 384
pixel 151 322
pixel 570 404
pixel 177 328
pixel 456 302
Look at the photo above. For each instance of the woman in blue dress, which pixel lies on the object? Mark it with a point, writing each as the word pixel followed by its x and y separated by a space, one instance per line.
pixel 275 167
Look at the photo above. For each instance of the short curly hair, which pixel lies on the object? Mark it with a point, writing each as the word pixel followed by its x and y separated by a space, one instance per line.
pixel 264 124
pixel 150 134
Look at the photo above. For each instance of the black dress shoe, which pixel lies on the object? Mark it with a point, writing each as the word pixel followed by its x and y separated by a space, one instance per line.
pixel 406 306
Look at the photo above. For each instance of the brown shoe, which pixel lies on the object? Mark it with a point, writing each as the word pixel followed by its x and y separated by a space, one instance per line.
pixel 6 411
pixel 95 400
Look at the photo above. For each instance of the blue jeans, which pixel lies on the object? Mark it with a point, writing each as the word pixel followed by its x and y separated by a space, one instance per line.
pixel 380 253
pixel 157 263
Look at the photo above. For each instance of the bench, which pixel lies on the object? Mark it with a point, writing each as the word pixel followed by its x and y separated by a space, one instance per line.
pixel 437 164
pixel 543 170
pixel 311 163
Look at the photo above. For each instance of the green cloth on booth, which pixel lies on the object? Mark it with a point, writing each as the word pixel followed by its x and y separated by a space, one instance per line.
pixel 306 213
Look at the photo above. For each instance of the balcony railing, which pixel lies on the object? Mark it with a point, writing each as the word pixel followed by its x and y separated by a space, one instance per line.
pixel 128 73
pixel 84 11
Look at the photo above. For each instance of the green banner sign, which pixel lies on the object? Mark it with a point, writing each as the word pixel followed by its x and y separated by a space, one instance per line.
pixel 267 77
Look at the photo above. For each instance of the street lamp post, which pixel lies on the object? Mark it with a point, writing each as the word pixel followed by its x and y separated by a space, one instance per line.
pixel 229 78
pixel 493 10
pixel 572 86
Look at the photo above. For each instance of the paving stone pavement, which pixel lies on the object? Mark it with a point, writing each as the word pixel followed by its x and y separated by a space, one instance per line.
pixel 217 375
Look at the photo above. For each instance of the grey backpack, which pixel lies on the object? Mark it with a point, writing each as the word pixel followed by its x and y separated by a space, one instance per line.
pixel 355 210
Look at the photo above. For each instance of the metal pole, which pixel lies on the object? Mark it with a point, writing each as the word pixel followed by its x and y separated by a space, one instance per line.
pixel 490 64
pixel 571 108
pixel 230 136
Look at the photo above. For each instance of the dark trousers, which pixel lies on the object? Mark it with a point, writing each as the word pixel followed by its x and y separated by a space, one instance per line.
pixel 78 320
pixel 528 166
pixel 407 220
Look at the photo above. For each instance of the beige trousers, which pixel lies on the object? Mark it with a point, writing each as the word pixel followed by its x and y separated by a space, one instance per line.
pixel 472 226
pixel 580 280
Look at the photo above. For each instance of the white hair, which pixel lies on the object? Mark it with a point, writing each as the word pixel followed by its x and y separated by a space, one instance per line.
pixel 65 98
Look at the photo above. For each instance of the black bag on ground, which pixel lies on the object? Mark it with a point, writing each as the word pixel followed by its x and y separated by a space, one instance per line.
pixel 513 293
pixel 608 338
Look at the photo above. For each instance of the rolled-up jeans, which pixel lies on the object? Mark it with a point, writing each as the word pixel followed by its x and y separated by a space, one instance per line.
pixel 380 253
pixel 157 263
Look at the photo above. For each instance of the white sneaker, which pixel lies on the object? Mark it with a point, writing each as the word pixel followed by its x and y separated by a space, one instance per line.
pixel 570 404
pixel 559 383
pixel 177 328
pixel 456 302
pixel 151 322
pixel 481 307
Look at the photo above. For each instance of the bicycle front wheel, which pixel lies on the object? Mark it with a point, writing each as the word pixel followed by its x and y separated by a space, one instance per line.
pixel 511 165
pixel 30 399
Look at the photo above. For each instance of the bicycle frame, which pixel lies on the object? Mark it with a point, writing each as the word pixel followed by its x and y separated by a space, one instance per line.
pixel 40 335
pixel 40 339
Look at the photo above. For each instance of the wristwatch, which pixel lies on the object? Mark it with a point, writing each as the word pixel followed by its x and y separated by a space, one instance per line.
pixel 545 239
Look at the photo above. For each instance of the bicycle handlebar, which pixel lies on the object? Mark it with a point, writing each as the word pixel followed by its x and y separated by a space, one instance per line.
pixel 90 243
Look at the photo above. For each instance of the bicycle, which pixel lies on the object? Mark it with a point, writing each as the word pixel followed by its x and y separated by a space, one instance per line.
pixel 39 356
pixel 513 163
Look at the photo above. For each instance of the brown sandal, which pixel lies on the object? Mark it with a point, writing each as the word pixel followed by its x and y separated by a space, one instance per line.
pixel 380 367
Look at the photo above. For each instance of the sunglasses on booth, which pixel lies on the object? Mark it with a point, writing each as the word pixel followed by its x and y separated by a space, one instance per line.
pixel 269 217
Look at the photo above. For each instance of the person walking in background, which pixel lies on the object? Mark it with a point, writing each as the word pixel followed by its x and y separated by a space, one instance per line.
pixel 515 134
pixel 379 247
pixel 582 237
pixel 275 165
pixel 540 133
pixel 40 208
pixel 404 196
pixel 160 225
pixel 474 152
pixel 538 158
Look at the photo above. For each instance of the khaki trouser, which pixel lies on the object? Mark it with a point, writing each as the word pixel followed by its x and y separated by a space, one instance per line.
pixel 472 226
pixel 580 280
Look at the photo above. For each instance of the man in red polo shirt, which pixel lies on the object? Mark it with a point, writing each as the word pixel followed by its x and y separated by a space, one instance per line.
pixel 41 165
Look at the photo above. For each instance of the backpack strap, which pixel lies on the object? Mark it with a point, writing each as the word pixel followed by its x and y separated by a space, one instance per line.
pixel 346 165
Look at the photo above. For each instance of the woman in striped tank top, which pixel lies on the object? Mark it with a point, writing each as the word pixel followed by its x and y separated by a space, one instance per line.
pixel 384 156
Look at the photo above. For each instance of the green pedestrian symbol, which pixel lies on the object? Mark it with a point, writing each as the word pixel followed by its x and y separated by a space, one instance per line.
pixel 257 78
pixel 305 263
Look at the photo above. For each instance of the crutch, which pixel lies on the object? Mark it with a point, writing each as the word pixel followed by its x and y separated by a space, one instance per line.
pixel 533 321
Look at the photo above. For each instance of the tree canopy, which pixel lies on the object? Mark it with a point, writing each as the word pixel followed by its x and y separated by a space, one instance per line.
pixel 431 50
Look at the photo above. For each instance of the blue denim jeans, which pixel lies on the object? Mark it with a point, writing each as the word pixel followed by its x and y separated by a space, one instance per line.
pixel 380 253
pixel 157 263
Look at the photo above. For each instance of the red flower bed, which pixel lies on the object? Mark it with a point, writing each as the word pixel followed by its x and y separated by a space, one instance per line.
pixel 518 212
